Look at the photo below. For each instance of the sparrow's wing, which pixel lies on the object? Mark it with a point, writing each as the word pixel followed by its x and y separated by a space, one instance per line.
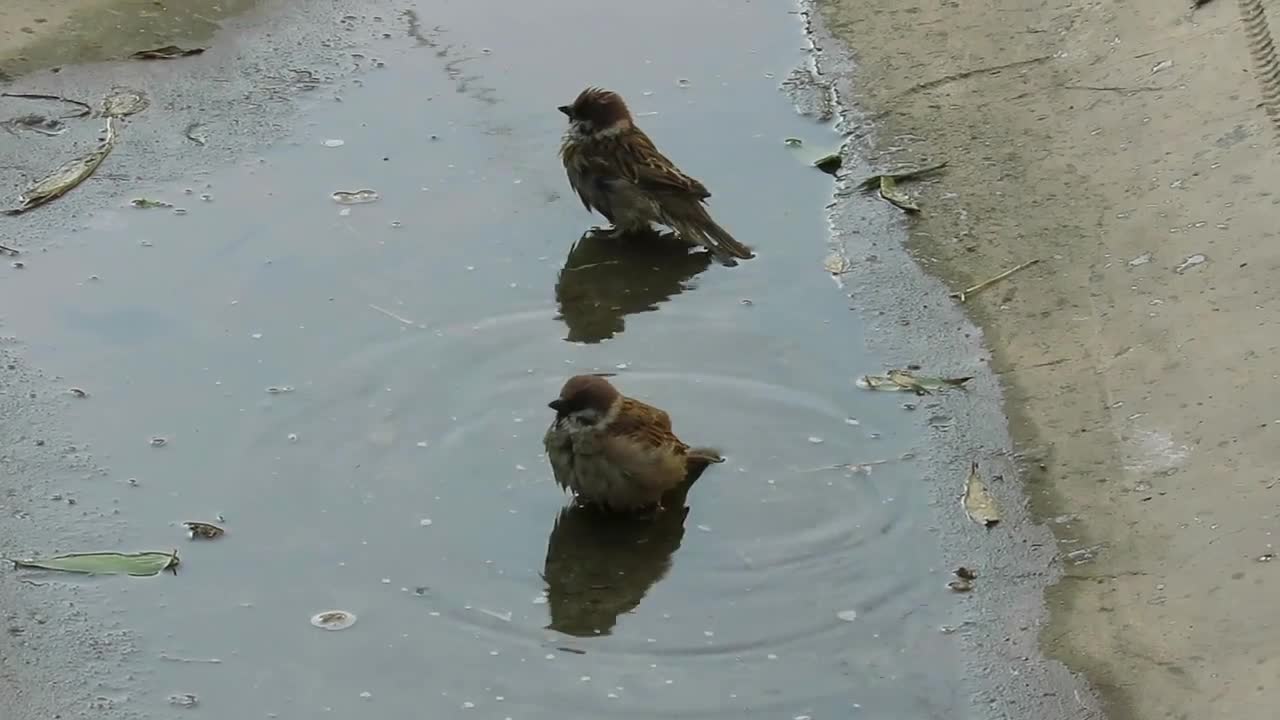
pixel 654 172
pixel 594 180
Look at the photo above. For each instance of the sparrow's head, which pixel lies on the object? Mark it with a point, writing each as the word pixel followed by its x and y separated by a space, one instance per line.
pixel 597 110
pixel 586 399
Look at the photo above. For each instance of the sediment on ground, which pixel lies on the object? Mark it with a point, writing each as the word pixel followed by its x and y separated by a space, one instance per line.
pixel 1125 146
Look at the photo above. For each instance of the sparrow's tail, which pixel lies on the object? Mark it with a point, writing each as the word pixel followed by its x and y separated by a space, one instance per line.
pixel 701 229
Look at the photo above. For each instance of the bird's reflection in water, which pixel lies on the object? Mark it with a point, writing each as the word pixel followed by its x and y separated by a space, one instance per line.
pixel 600 564
pixel 605 279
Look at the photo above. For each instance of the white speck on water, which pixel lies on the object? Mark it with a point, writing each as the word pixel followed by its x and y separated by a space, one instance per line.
pixel 815 439
pixel 158 441
pixel 293 437
pixel 540 600
pixel 1142 259
pixel 344 212
pixel 851 421
pixel 521 468
pixel 334 143
pixel 847 615
pixel 504 617
pixel 704 528
pixel 585 678
pixel 550 656
pixel 366 694
pixel 256 336
pixel 421 443
pixel 386 581
pixel 468 705
pixel 1162 65
pixel 771 656
pixel 425 522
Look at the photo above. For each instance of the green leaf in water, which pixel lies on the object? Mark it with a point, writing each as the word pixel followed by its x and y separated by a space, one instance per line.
pixel 105 563
pixel 145 203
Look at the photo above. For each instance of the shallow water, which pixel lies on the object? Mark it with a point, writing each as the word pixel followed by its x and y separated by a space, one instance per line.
pixel 422 335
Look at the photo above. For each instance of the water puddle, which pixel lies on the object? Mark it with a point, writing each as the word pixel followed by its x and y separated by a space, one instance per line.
pixel 400 478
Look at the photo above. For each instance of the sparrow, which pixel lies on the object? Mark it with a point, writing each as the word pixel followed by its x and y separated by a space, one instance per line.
pixel 614 451
pixel 617 171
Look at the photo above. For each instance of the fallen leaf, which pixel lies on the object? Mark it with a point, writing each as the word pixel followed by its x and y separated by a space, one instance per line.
pixel 168 52
pixel 66 177
pixel 901 380
pixel 889 191
pixel 979 505
pixel 106 563
pixel 203 530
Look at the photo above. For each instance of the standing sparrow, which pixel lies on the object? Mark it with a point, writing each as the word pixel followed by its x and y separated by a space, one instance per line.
pixel 615 451
pixel 616 170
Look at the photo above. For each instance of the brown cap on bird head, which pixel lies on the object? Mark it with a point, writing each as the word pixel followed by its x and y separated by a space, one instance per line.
pixel 582 392
pixel 599 107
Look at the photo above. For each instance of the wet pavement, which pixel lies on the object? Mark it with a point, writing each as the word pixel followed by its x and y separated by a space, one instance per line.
pixel 419 337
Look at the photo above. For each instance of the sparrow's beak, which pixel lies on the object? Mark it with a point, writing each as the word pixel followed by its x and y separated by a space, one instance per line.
pixel 556 405
pixel 564 109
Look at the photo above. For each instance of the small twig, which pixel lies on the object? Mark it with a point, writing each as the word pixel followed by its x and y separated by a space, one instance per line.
pixel 1116 88
pixel 964 294
pixel 8 250
pixel 844 466
pixel 930 84
pixel 84 112
pixel 392 315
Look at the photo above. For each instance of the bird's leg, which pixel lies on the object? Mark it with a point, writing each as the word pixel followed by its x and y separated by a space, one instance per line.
pixel 675 238
pixel 610 233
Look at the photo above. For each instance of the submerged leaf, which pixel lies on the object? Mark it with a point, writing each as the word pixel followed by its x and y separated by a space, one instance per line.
pixel 124 101
pixel 901 380
pixel 978 503
pixel 66 177
pixel 144 203
pixel 196 133
pixel 333 619
pixel 106 563
pixel 168 52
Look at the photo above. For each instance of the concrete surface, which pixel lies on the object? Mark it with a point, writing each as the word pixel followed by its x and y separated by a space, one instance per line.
pixel 1122 143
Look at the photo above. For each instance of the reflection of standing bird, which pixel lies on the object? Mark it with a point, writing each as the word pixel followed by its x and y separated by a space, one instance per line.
pixel 600 565
pixel 616 170
pixel 614 451
pixel 604 281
